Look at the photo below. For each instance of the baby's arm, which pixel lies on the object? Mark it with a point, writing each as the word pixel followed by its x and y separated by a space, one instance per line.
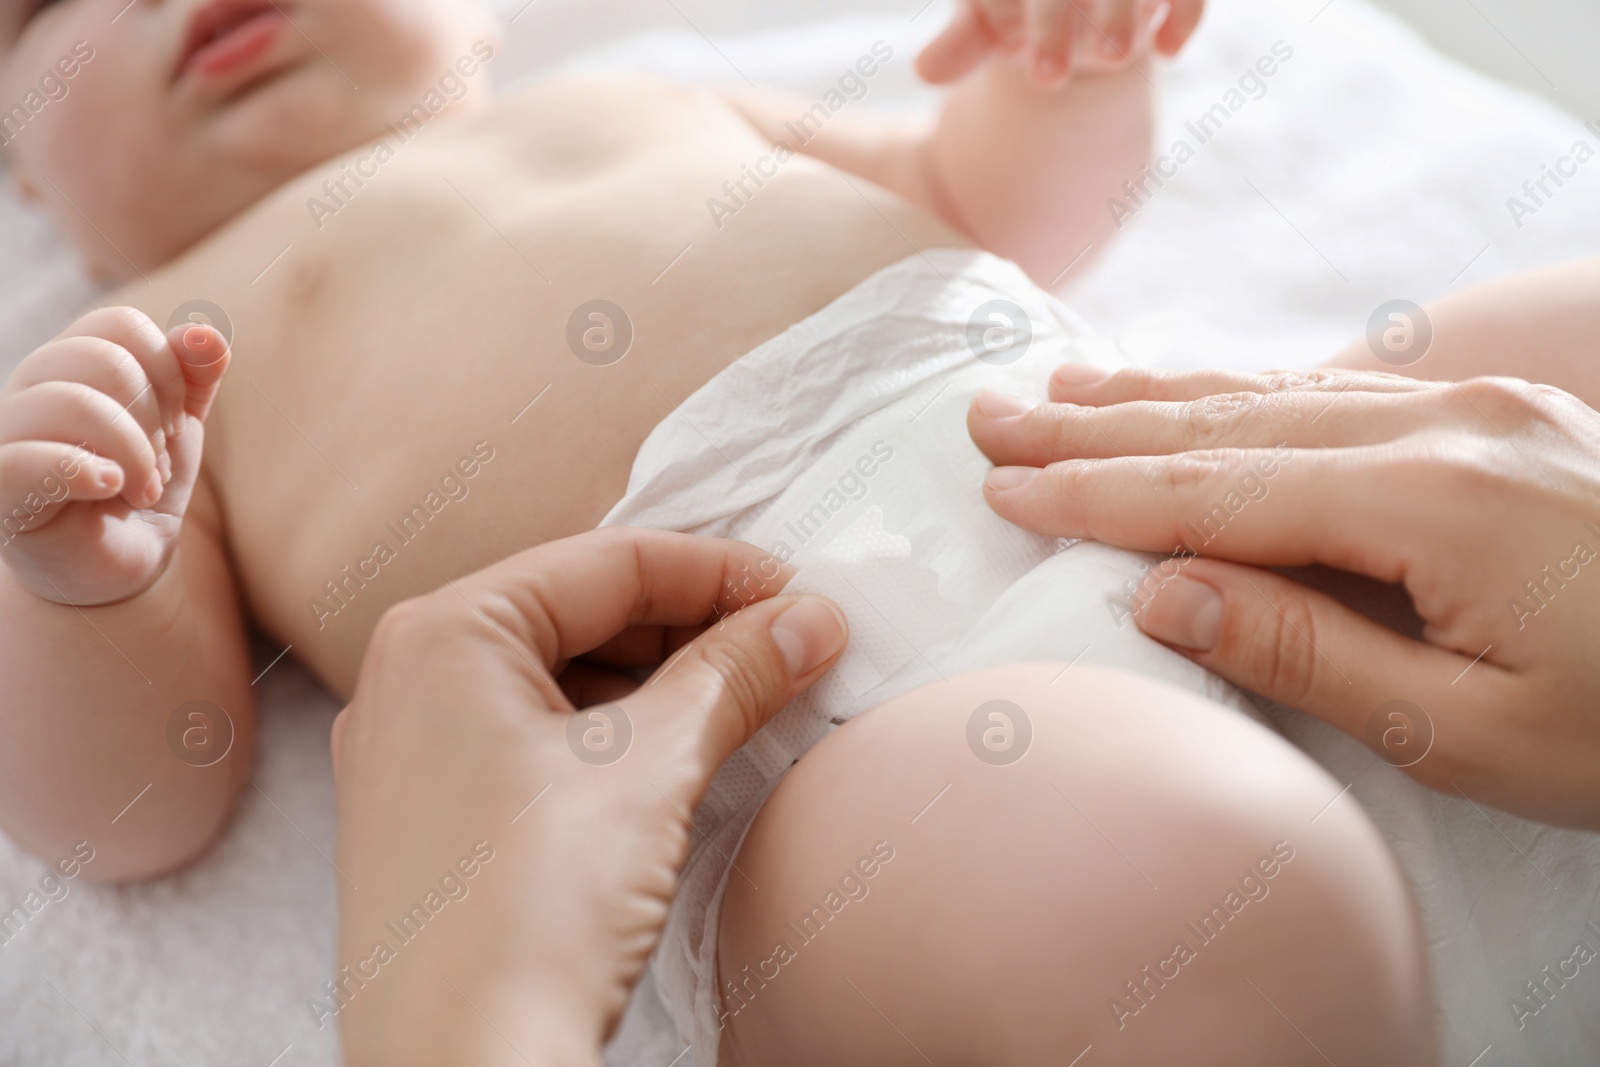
pixel 117 607
pixel 1023 171
pixel 1023 165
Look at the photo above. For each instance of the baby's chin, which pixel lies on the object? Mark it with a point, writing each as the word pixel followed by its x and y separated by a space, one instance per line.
pixel 295 119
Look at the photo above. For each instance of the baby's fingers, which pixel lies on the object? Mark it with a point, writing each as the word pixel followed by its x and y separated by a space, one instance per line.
pixel 1007 20
pixel 203 357
pixel 965 43
pixel 1116 31
pixel 134 331
pixel 35 475
pixel 102 365
pixel 1052 27
pixel 72 414
pixel 1179 25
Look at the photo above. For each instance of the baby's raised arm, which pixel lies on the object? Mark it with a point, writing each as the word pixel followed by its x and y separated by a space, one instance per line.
pixel 117 606
pixel 1030 146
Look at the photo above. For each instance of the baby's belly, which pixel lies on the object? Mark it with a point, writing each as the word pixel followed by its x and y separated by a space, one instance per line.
pixel 463 360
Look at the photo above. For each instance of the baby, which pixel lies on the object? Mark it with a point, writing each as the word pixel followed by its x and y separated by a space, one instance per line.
pixel 438 329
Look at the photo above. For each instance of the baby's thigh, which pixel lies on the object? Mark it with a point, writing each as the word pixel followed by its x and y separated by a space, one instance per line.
pixel 1156 877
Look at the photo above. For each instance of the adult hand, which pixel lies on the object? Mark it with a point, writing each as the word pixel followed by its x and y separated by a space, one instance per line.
pixel 1482 498
pixel 506 865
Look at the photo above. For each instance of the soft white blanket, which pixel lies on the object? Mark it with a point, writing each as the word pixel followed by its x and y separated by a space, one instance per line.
pixel 1369 168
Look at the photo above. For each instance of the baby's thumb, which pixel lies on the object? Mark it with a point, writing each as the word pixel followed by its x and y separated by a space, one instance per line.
pixel 204 355
pixel 729 681
pixel 1299 647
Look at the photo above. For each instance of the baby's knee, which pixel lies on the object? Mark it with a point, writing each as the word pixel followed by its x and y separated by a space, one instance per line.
pixel 1008 869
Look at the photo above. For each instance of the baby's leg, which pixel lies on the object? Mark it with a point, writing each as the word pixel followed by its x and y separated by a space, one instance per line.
pixel 1025 172
pixel 1540 325
pixel 1157 878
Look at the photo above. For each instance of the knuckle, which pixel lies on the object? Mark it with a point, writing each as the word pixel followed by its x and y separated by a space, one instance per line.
pixel 1062 427
pixel 403 626
pixel 1284 652
pixel 75 401
pixel 393 626
pixel 1216 417
pixel 109 322
pixel 1069 479
pixel 1463 468
pixel 115 361
pixel 1508 400
pixel 1136 380
pixel 1293 381
pixel 749 674
pixel 1190 471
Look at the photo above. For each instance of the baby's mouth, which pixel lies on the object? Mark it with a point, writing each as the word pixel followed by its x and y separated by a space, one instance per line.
pixel 225 35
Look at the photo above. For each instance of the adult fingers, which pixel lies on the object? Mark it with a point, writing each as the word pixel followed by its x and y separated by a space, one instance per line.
pixel 1179 25
pixel 586 683
pixel 1272 507
pixel 569 597
pixel 730 680
pixel 958 49
pixel 1011 431
pixel 1079 383
pixel 1302 648
pixel 643 646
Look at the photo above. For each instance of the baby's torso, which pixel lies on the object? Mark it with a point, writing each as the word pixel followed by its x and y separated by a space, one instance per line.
pixel 423 381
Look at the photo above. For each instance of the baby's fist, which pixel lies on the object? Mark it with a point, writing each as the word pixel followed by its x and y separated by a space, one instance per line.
pixel 101 433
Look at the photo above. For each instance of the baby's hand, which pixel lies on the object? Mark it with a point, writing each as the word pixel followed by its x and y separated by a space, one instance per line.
pixel 101 432
pixel 1056 37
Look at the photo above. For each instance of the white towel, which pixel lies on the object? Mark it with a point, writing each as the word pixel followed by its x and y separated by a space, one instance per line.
pixel 1388 159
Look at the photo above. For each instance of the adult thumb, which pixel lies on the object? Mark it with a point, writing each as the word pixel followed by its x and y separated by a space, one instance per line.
pixel 1289 643
pixel 727 683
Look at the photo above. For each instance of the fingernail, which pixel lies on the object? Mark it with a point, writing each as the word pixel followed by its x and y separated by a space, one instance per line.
pixel 1000 405
pixel 1185 613
pixel 164 466
pixel 200 347
pixel 808 634
pixel 107 475
pixel 1078 374
pixel 152 489
pixel 1003 478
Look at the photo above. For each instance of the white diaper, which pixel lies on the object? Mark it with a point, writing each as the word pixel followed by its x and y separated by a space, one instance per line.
pixel 841 446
